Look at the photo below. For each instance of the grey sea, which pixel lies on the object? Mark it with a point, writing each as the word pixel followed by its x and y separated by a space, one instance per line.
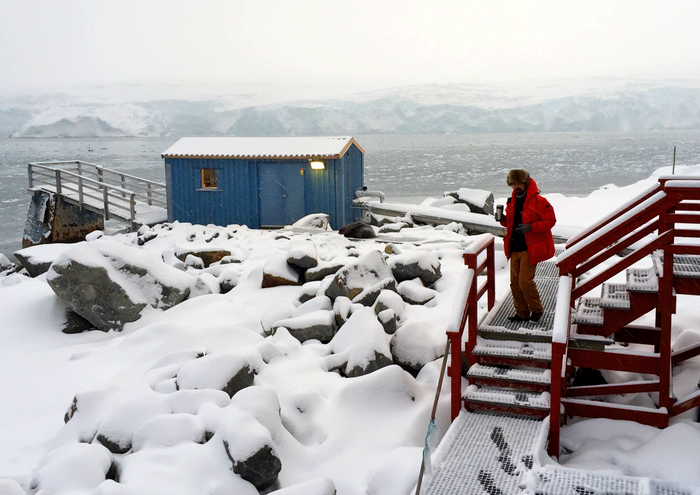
pixel 405 168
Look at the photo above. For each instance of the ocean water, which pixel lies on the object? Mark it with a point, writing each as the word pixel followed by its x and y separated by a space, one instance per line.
pixel 405 168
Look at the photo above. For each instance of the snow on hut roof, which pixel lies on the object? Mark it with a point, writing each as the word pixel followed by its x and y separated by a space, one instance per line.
pixel 261 147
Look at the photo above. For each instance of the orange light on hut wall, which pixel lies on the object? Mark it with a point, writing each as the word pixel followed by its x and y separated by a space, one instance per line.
pixel 317 165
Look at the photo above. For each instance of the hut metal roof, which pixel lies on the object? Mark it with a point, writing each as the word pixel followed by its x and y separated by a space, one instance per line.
pixel 284 148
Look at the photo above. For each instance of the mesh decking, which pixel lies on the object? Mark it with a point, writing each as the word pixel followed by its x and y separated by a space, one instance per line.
pixel 554 481
pixel 684 265
pixel 490 454
pixel 547 280
pixel 486 455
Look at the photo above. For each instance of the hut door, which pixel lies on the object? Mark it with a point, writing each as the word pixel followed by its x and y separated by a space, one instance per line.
pixel 281 193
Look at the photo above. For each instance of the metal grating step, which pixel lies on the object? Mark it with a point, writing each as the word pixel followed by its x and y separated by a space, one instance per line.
pixel 519 374
pixel 588 312
pixel 513 349
pixel 615 296
pixel 476 394
pixel 684 265
pixel 497 320
pixel 483 454
pixel 575 482
pixel 642 280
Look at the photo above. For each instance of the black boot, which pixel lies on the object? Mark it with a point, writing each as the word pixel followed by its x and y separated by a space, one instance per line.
pixel 536 317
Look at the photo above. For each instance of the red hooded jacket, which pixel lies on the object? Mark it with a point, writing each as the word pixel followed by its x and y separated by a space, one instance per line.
pixel 539 214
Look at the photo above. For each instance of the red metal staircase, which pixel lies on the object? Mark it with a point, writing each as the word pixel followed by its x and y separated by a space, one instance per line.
pixel 527 373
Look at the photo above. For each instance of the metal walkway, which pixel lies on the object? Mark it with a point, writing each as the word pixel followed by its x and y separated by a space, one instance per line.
pixel 112 194
pixel 485 454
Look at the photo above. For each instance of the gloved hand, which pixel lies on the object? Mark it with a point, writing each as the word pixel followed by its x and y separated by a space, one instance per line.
pixel 523 228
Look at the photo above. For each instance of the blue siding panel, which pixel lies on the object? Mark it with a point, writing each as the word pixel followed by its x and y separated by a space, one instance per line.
pixel 237 199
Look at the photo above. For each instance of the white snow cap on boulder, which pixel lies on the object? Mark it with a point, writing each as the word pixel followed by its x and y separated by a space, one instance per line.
pixel 315 221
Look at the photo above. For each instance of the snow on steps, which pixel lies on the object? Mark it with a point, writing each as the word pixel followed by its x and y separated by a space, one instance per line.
pixel 518 378
pixel 517 402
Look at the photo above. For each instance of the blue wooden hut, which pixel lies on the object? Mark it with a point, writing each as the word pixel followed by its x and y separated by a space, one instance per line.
pixel 263 181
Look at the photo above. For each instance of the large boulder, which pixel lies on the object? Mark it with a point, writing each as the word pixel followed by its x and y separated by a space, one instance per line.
pixel 478 200
pixel 416 264
pixel 368 271
pixel 109 283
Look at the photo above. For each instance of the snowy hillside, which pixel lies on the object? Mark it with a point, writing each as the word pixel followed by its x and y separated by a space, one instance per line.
pixel 428 109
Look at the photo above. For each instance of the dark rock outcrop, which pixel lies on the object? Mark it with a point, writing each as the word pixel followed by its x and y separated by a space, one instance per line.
pixel 260 469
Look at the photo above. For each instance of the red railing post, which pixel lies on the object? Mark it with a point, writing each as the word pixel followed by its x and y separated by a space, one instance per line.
pixel 558 366
pixel 455 373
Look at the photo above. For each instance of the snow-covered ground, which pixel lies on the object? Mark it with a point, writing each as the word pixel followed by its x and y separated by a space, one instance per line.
pixel 156 386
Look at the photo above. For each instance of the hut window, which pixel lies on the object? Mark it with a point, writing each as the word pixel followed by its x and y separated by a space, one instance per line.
pixel 209 178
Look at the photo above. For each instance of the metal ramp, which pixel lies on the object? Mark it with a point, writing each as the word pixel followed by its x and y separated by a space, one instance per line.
pixel 110 193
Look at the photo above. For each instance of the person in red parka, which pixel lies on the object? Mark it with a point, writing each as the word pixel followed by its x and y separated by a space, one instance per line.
pixel 529 219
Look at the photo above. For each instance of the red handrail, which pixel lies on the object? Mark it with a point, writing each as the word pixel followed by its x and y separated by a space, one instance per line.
pixel 659 209
pixel 467 307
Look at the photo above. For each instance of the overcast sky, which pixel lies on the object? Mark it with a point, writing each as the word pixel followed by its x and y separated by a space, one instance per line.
pixel 365 43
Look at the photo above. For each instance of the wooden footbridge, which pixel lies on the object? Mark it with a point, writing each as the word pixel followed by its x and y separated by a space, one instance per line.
pixel 112 194
pixel 511 382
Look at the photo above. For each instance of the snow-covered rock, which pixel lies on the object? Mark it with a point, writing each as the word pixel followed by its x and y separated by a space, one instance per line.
pixel 414 345
pixel 322 270
pixel 206 254
pixel 367 271
pixel 109 283
pixel 278 272
pixel 133 408
pixel 368 296
pixel 303 254
pixel 478 200
pixel 76 468
pixel 314 221
pixel 413 292
pixel 229 372
pixel 363 343
pixel 250 448
pixel 37 259
pixel 168 430
pixel 422 264
pixel 319 325
pixel 316 486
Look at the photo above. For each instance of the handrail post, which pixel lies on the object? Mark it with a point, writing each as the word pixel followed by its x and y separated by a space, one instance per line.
pixel 455 374
pixel 105 201
pixel 132 208
pixel 123 183
pixel 558 366
pixel 100 176
pixel 80 184
pixel 149 193
pixel 58 181
pixel 491 274
pixel 30 174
